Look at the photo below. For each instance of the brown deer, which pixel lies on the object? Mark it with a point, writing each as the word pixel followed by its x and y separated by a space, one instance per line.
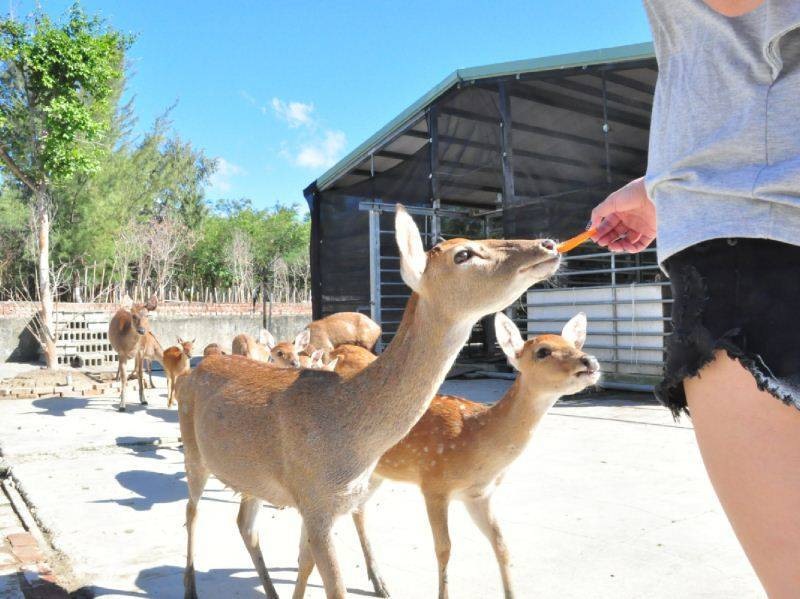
pixel 310 439
pixel 245 345
pixel 342 328
pixel 126 331
pixel 460 449
pixel 176 363
pixel 293 354
pixel 213 349
pixel 151 350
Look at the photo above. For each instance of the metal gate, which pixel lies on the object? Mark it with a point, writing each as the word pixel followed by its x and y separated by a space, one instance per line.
pixel 388 292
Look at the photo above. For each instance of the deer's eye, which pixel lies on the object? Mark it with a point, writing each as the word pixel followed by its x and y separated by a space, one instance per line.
pixel 543 352
pixel 462 256
pixel 280 354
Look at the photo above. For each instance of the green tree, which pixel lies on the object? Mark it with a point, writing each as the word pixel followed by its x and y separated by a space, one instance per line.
pixel 57 88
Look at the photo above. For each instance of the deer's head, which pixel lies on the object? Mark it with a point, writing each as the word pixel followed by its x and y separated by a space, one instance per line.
pixel 554 363
pixel 139 314
pixel 471 278
pixel 286 354
pixel 186 346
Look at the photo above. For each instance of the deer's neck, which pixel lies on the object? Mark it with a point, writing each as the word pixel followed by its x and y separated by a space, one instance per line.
pixel 512 420
pixel 396 389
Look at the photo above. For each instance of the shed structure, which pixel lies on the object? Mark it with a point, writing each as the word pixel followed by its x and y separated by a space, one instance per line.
pixel 522 149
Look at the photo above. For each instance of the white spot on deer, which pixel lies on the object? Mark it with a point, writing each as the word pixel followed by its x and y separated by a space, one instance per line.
pixel 452 445
pixel 433 462
pixel 425 449
pixel 440 448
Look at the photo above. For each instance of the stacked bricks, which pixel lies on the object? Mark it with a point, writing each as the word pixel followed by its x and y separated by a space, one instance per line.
pixel 24 571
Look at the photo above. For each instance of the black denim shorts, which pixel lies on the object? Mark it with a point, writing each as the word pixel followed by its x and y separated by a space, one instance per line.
pixel 741 296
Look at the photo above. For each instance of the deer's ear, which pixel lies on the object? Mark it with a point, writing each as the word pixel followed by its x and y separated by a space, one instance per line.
pixel 574 331
pixel 316 355
pixel 332 364
pixel 302 340
pixel 412 254
pixel 266 339
pixel 152 303
pixel 509 338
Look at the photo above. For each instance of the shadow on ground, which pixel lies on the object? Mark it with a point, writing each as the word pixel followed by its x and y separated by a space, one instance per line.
pixel 167 581
pixel 59 406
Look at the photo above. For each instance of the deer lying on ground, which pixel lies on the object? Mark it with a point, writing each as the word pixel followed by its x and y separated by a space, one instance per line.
pixel 311 439
pixel 245 345
pixel 176 363
pixel 460 449
pixel 126 331
pixel 350 328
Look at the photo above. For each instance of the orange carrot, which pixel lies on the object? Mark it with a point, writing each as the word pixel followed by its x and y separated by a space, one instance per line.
pixel 571 244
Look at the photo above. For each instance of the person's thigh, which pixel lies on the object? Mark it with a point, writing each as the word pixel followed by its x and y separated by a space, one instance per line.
pixel 750 444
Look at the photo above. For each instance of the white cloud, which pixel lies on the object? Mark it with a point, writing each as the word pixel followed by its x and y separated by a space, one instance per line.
pixel 220 181
pixel 320 153
pixel 296 114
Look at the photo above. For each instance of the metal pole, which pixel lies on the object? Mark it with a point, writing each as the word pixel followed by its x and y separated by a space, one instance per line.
pixel 375 271
pixel 506 146
pixel 606 131
pixel 433 172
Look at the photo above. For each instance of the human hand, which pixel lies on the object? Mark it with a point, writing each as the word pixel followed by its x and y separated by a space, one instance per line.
pixel 626 220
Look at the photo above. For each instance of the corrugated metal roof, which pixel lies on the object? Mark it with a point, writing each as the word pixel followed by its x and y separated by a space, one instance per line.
pixel 417 109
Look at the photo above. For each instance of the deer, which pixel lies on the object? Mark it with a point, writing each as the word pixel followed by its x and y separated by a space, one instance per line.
pixel 176 363
pixel 151 350
pixel 126 332
pixel 351 328
pixel 245 345
pixel 310 439
pixel 213 349
pixel 294 354
pixel 460 450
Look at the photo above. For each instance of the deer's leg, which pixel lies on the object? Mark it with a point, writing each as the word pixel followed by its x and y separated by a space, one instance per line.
pixel 170 389
pixel 196 478
pixel 480 508
pixel 320 538
pixel 248 510
pixel 305 565
pixel 140 378
pixel 437 515
pixel 150 373
pixel 123 383
pixel 359 519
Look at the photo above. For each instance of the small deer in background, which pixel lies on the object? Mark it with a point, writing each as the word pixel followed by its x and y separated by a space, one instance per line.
pixel 293 354
pixel 350 328
pixel 461 449
pixel 245 345
pixel 213 349
pixel 176 363
pixel 126 331
pixel 151 350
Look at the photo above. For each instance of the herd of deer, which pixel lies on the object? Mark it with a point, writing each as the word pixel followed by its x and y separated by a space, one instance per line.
pixel 317 423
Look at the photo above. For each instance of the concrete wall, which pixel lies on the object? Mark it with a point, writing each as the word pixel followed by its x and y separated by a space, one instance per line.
pixel 17 345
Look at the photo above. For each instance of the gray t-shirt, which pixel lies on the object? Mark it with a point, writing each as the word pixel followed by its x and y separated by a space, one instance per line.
pixel 724 155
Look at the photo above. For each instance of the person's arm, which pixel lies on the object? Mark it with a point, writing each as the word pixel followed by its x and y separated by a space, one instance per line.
pixel 734 8
pixel 625 220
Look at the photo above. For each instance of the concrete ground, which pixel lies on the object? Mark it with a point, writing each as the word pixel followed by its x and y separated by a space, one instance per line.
pixel 610 501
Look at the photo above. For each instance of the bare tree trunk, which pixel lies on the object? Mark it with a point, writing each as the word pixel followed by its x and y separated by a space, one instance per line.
pixel 45 291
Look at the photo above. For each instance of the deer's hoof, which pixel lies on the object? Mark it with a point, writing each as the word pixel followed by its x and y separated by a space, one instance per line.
pixel 121 409
pixel 143 402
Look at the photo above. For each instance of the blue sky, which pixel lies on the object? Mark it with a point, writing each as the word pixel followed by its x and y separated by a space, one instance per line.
pixel 278 91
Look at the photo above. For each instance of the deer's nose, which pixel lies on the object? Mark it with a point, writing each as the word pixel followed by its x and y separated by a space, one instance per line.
pixel 549 245
pixel 590 363
pixel 140 330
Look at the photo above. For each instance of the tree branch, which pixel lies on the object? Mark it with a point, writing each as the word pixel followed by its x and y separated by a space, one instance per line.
pixel 4 156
